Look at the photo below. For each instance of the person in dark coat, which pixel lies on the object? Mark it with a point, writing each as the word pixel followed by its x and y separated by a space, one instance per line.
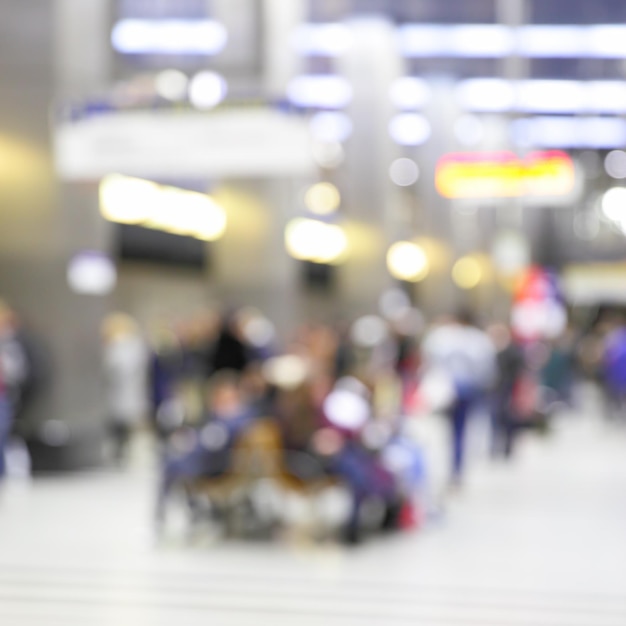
pixel 206 451
pixel 230 352
pixel 510 365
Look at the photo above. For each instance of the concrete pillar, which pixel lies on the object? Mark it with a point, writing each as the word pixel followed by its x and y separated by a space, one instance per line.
pixel 371 65
pixel 280 19
pixel 43 224
pixel 82 48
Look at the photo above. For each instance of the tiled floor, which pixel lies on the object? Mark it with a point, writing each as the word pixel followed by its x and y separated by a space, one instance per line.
pixel 538 543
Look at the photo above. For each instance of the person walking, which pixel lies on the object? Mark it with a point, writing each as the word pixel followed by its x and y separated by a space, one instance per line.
pixel 465 354
pixel 126 370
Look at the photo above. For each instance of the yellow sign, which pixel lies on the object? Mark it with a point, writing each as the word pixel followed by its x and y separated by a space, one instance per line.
pixel 504 175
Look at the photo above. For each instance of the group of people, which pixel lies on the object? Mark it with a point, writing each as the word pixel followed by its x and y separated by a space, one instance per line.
pixel 336 405
pixel 342 397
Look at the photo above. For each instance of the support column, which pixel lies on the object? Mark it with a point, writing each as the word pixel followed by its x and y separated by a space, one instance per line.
pixel 281 64
pixel 42 225
pixel 371 65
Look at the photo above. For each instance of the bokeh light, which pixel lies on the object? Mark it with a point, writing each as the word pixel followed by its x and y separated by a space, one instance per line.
pixel 328 154
pixel 369 331
pixel 467 272
pixel 614 204
pixel 404 172
pixel 172 85
pixel 326 91
pixel 331 126
pixel 256 328
pixel 615 164
pixel 469 130
pixel 286 372
pixel 510 252
pixel 311 240
pixel 346 409
pixel 322 198
pixel 394 304
pixel 207 90
pixel 169 36
pixel 409 129
pixel 407 261
pixel 91 273
pixel 409 93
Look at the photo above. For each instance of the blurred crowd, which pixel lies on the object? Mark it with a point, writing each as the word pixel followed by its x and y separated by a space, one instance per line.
pixel 343 396
pixel 339 399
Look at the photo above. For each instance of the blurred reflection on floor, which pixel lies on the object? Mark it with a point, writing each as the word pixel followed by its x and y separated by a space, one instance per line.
pixel 540 542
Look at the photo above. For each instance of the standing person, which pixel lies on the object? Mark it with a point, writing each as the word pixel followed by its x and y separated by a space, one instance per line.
pixel 6 420
pixel 510 366
pixel 164 371
pixel 13 358
pixel 126 371
pixel 614 369
pixel 230 351
pixel 466 355
pixel 207 450
pixel 13 377
pixel 558 374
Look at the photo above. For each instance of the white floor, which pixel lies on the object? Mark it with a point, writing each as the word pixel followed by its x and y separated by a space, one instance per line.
pixel 538 543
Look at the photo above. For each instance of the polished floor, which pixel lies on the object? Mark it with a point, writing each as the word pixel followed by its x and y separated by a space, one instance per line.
pixel 541 542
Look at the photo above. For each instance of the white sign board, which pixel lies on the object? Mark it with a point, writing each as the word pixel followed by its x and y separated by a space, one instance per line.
pixel 230 144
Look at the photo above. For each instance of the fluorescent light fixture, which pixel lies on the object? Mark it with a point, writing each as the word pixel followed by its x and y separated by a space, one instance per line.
pixel 323 91
pixel 607 96
pixel 476 40
pixel 409 129
pixel 551 41
pixel 492 95
pixel 603 132
pixel 409 93
pixel 541 132
pixel 481 40
pixel 331 126
pixel 158 36
pixel 551 96
pixel 326 40
pixel 606 41
pixel 128 200
pixel 416 40
pixel 570 132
